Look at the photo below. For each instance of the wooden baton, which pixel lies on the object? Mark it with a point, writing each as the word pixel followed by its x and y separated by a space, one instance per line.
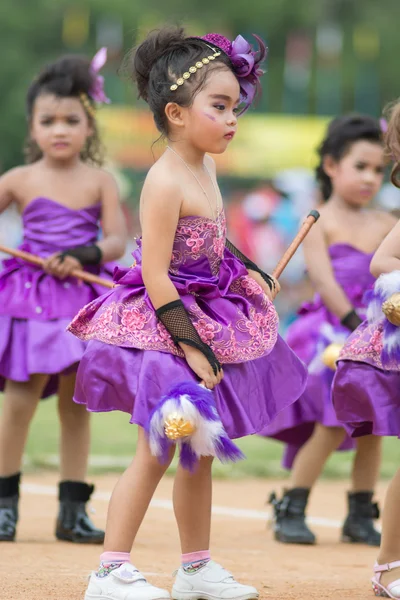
pixel 304 229
pixel 37 260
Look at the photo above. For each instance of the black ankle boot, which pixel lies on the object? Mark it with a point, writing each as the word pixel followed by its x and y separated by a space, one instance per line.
pixel 73 523
pixel 9 497
pixel 290 518
pixel 359 525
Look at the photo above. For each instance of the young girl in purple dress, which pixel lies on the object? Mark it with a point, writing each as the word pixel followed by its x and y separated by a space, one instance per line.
pixel 62 194
pixel 367 381
pixel 337 253
pixel 191 308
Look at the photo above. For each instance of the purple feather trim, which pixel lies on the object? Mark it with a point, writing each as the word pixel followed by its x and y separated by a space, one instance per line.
pixel 196 404
pixel 385 286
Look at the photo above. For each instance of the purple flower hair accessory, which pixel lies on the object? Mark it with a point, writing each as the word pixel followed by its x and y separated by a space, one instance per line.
pixel 97 90
pixel 246 63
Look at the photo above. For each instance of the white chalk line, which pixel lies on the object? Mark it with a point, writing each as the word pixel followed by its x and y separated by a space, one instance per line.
pixel 223 511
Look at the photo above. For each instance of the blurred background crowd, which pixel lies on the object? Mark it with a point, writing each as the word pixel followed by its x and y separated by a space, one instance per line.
pixel 326 57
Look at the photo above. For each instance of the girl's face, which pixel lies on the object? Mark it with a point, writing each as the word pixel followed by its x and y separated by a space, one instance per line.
pixel 211 122
pixel 60 126
pixel 357 176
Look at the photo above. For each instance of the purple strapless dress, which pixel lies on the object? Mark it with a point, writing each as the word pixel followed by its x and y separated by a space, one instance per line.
pixel 313 331
pixel 131 360
pixel 35 308
pixel 365 392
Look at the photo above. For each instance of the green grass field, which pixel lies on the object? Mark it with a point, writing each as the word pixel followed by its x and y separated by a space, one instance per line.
pixel 113 444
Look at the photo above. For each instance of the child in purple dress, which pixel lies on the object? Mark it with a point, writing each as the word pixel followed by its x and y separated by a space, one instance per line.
pixel 337 253
pixel 61 194
pixel 366 387
pixel 191 308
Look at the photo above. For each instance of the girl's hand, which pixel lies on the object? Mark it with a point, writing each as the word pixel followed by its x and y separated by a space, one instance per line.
pixel 276 288
pixel 200 365
pixel 61 267
pixel 265 287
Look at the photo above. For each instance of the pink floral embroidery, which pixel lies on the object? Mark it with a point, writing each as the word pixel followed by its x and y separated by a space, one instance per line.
pixel 219 246
pixel 205 330
pixel 250 286
pixel 133 319
pixel 195 242
pixel 366 345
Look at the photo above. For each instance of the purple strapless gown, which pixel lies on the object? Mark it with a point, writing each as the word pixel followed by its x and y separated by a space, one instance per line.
pixel 35 308
pixel 131 360
pixel 365 392
pixel 313 331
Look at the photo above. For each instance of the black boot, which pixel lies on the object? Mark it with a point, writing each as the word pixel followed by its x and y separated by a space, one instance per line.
pixel 73 523
pixel 290 518
pixel 9 497
pixel 359 525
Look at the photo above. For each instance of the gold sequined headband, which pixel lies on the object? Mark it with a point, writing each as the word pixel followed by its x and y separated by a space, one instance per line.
pixel 194 69
pixel 87 105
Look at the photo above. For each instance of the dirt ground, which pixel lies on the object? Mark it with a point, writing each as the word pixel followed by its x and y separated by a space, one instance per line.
pixel 39 568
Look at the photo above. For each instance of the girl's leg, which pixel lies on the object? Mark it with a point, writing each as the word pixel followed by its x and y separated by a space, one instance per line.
pixel 290 513
pixel 116 578
pixel 19 405
pixel 199 577
pixel 73 523
pixel 367 463
pixel 390 546
pixel 194 491
pixel 75 432
pixel 131 497
pixel 312 457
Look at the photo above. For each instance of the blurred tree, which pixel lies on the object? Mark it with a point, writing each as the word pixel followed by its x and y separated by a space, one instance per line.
pixel 33 32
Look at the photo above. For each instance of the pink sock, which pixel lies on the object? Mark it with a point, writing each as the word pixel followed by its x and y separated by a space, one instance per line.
pixel 193 561
pixel 115 557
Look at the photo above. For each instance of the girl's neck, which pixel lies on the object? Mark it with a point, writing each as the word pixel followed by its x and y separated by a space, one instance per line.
pixel 193 157
pixel 60 165
pixel 340 204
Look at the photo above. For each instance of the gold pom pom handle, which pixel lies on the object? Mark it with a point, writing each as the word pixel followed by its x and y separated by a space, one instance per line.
pixel 331 354
pixel 177 427
pixel 391 309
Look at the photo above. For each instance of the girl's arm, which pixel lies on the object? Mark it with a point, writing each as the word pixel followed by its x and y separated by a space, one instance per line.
pixel 114 240
pixel 7 187
pixel 160 211
pixel 320 271
pixel 387 257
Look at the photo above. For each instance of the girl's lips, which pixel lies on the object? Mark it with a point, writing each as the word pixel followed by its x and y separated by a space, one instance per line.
pixel 229 136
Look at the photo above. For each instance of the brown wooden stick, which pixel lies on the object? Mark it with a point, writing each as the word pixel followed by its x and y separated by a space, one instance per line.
pixel 37 260
pixel 304 229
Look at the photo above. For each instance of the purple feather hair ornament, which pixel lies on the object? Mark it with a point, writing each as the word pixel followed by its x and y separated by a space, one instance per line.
pixel 246 63
pixel 187 416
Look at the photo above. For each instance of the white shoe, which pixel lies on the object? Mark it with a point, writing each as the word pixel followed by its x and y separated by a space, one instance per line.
pixel 123 583
pixel 211 582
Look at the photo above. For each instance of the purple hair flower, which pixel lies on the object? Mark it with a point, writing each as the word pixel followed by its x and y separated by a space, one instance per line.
pixel 96 92
pixel 246 63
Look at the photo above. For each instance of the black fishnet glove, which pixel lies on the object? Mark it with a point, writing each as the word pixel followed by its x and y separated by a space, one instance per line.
pixel 175 318
pixel 87 255
pixel 351 320
pixel 250 266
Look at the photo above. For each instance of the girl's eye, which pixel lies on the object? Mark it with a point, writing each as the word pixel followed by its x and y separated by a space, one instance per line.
pixel 360 166
pixel 236 110
pixel 219 106
pixel 380 170
pixel 46 122
pixel 73 121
